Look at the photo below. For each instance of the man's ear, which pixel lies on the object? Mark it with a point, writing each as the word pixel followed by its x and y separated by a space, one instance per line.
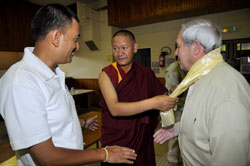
pixel 56 35
pixel 198 49
pixel 135 47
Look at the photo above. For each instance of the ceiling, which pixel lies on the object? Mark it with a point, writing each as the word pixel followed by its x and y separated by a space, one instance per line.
pixel 45 2
pixel 130 13
pixel 92 3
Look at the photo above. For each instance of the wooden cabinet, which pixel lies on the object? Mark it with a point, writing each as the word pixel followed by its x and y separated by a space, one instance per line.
pixel 15 20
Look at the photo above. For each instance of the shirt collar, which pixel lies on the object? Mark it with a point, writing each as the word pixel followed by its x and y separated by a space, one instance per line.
pixel 39 66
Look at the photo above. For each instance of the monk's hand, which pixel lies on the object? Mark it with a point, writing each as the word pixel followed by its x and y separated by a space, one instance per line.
pixel 164 102
pixel 117 154
pixel 163 134
pixel 92 123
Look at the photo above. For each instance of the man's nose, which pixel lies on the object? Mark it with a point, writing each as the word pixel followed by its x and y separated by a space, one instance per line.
pixel 176 53
pixel 120 51
pixel 77 46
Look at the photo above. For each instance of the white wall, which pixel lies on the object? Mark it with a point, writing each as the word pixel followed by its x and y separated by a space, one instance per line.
pixel 88 64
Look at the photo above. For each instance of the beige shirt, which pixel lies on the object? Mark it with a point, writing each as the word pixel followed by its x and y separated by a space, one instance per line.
pixel 215 124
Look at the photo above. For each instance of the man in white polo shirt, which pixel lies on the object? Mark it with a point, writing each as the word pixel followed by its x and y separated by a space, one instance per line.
pixel 38 110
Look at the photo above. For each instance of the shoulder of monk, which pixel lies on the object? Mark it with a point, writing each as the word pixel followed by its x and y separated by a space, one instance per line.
pixel 109 69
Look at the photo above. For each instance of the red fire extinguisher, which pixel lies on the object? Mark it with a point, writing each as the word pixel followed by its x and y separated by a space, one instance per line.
pixel 162 59
pixel 164 51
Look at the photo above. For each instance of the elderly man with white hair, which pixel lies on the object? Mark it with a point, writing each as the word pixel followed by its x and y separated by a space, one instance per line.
pixel 215 124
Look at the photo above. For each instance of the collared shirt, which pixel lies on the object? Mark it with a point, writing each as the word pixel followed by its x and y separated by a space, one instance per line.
pixel 36 105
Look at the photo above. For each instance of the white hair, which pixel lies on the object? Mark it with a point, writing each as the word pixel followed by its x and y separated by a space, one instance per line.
pixel 208 33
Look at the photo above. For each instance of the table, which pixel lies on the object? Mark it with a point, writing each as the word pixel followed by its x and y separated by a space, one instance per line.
pixel 91 137
pixel 75 92
pixel 79 93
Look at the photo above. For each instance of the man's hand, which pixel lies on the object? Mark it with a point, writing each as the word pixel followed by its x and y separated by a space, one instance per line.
pixel 92 123
pixel 117 154
pixel 164 102
pixel 163 134
pixel 45 153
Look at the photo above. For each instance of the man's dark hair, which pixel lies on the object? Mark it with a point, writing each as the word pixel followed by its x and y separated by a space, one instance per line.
pixel 51 17
pixel 125 33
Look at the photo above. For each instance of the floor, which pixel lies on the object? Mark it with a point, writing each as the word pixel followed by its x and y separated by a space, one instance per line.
pixel 161 154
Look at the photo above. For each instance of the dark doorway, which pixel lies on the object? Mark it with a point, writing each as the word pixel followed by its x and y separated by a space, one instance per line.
pixel 236 52
pixel 143 56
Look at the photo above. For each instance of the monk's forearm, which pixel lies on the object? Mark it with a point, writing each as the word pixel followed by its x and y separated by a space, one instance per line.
pixel 131 108
pixel 161 102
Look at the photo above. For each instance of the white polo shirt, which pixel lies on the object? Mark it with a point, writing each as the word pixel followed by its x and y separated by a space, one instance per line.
pixel 36 105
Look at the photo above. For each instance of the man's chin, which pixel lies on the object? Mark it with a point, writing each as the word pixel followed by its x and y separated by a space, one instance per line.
pixel 122 64
pixel 69 60
pixel 182 67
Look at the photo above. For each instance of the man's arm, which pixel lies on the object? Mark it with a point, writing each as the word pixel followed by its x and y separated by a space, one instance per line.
pixel 164 134
pixel 116 108
pixel 45 153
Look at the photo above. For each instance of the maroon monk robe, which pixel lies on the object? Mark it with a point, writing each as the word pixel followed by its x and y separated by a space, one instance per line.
pixel 136 131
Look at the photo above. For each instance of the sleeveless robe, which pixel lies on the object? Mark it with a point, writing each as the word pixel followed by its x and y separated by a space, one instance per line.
pixel 135 131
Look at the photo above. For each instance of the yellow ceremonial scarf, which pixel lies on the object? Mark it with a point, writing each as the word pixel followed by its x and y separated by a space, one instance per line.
pixel 118 72
pixel 199 69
